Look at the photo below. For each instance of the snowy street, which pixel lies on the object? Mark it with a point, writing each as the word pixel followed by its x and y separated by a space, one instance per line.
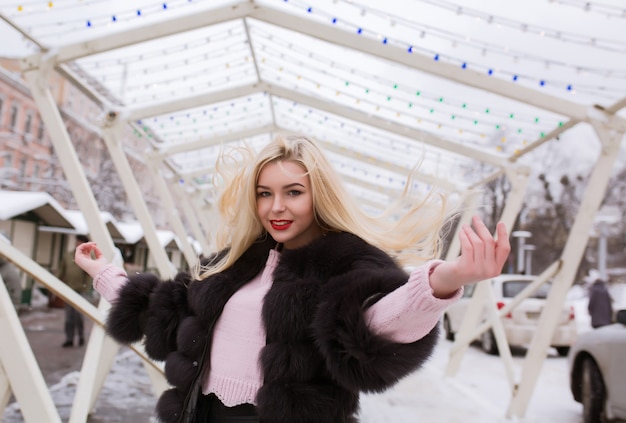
pixel 478 393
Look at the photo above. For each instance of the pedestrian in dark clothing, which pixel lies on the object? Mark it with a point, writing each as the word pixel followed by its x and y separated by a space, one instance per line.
pixel 600 304
pixel 79 281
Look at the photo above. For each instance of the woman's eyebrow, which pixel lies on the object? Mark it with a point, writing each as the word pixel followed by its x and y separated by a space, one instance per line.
pixel 295 184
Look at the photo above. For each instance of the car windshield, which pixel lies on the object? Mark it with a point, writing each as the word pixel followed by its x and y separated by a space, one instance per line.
pixel 513 287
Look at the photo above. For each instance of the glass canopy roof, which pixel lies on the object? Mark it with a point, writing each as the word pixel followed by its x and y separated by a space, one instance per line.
pixel 461 88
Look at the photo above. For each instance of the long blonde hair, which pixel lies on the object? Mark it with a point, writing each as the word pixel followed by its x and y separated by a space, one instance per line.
pixel 410 229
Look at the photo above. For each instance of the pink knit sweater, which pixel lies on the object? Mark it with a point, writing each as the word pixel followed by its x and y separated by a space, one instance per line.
pixel 405 315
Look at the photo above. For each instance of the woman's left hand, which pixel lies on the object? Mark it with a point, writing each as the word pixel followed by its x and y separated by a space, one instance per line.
pixel 482 256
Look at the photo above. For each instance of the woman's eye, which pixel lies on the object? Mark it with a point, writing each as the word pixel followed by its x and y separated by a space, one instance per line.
pixel 263 194
pixel 294 192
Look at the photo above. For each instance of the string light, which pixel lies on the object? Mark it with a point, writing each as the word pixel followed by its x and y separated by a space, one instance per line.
pixel 611 45
pixel 371 141
pixel 366 76
pixel 50 27
pixel 600 8
pixel 323 69
pixel 399 114
pixel 493 49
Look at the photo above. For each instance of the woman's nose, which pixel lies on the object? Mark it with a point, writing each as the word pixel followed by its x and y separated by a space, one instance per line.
pixel 279 204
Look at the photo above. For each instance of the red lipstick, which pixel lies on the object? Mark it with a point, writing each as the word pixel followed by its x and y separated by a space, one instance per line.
pixel 280 225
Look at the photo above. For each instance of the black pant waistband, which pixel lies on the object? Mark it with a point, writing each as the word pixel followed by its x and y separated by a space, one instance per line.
pixel 211 410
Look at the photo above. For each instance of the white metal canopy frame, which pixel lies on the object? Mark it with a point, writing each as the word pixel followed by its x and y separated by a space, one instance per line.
pixel 467 88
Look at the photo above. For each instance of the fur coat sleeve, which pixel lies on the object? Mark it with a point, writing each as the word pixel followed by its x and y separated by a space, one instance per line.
pixel 357 358
pixel 146 306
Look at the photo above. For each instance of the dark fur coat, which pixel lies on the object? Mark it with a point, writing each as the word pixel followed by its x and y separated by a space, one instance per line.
pixel 319 353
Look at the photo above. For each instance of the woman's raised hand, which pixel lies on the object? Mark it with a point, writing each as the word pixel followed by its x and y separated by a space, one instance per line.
pixel 482 256
pixel 89 258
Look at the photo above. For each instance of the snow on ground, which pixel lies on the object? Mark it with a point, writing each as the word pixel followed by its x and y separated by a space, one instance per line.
pixel 478 393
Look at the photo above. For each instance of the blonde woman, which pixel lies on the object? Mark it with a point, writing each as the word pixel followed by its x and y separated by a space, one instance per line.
pixel 307 303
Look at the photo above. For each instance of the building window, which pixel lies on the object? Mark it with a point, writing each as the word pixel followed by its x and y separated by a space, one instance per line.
pixel 28 125
pixel 40 131
pixel 23 163
pixel 1 104
pixel 8 159
pixel 13 122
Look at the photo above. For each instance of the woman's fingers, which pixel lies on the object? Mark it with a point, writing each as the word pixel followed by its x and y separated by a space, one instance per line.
pixel 503 246
pixel 482 254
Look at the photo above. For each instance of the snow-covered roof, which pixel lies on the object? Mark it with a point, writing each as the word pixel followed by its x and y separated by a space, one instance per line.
pixel 131 232
pixel 41 204
pixel 58 219
pixel 78 219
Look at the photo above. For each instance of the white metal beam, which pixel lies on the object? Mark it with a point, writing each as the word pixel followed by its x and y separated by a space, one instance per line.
pixel 170 150
pixel 617 106
pixel 5 387
pixel 186 203
pixel 395 128
pixel 84 86
pixel 607 115
pixel 421 62
pixel 148 32
pixel 25 34
pixel 571 256
pixel 19 367
pixel 60 139
pixel 99 346
pixel 203 143
pixel 172 212
pixel 548 137
pixel 132 114
pixel 69 160
pixel 388 192
pixel 135 197
pixel 519 178
pixel 375 161
pixel 177 104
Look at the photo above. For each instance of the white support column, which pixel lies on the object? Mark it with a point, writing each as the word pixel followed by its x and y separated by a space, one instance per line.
pixel 72 168
pixel 525 293
pixel 92 373
pixel 135 197
pixel 68 158
pixel 572 254
pixel 5 388
pixel 172 211
pixel 206 218
pixel 187 203
pixel 493 317
pixel 19 364
pixel 519 182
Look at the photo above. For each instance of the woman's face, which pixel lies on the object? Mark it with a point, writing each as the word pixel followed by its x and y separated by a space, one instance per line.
pixel 284 204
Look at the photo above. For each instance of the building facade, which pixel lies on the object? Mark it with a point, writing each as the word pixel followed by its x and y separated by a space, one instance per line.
pixel 28 161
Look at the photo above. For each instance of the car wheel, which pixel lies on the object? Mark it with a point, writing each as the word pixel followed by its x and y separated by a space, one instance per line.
pixel 488 343
pixel 447 329
pixel 593 393
pixel 562 351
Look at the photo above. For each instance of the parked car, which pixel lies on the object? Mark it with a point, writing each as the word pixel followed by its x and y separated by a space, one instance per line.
pixel 520 325
pixel 597 370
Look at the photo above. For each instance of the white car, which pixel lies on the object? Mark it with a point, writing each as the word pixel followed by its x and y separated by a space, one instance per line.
pixel 520 325
pixel 597 368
